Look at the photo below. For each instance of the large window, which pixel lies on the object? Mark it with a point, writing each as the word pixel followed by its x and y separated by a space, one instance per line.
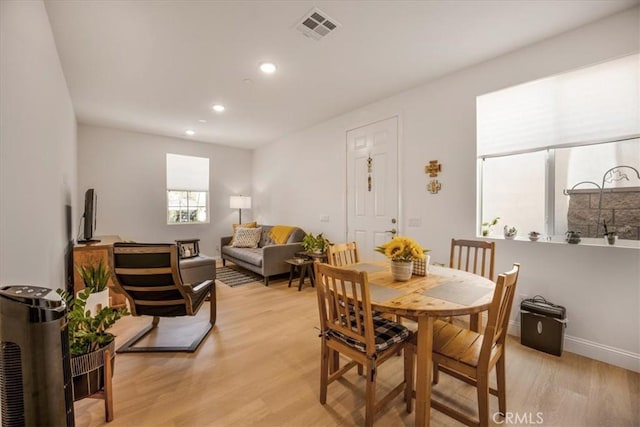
pixel 187 189
pixel 563 153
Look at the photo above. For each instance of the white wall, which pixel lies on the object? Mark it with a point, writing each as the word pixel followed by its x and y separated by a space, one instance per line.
pixel 37 150
pixel 598 285
pixel 128 172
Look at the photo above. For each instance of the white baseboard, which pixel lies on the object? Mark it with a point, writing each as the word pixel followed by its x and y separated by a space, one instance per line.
pixel 593 350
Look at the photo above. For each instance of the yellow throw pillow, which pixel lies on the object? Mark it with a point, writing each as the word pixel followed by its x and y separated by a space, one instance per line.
pixel 252 224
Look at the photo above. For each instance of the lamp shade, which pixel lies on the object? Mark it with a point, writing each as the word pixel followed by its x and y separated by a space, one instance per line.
pixel 240 202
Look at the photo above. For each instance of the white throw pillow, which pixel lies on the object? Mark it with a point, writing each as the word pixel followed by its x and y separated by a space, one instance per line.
pixel 247 237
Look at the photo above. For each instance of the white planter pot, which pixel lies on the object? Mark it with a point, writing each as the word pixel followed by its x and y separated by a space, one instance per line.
pixel 97 300
pixel 401 271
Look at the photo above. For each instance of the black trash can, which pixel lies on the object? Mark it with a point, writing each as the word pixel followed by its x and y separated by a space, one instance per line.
pixel 542 325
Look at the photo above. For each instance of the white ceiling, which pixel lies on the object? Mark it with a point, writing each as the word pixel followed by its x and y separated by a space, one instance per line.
pixel 158 66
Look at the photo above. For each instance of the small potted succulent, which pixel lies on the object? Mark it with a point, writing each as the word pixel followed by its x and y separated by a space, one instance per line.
pixel 573 237
pixel 534 236
pixel 510 232
pixel 611 233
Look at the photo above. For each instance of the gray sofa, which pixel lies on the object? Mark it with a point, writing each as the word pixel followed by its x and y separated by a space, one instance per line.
pixel 268 258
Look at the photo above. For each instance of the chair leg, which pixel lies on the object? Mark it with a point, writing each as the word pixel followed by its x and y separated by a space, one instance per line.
pixel 324 371
pixel 436 374
pixel 483 399
pixel 370 406
pixel 224 262
pixel 408 377
pixel 266 280
pixel 501 382
pixel 334 361
pixel 213 305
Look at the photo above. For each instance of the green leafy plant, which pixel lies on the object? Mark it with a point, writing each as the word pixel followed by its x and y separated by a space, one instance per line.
pixel 88 331
pixel 95 277
pixel 316 244
pixel 487 226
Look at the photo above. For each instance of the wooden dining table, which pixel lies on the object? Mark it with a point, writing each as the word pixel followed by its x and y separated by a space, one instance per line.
pixel 442 292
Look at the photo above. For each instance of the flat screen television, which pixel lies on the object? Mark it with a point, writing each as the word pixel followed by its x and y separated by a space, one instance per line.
pixel 89 216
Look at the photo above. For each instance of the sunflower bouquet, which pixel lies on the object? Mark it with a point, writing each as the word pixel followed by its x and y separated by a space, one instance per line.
pixel 402 249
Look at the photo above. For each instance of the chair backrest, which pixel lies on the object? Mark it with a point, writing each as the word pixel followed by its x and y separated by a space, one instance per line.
pixel 499 311
pixel 341 254
pixel 149 276
pixel 345 304
pixel 474 256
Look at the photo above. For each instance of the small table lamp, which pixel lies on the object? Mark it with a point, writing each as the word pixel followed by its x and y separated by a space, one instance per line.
pixel 240 202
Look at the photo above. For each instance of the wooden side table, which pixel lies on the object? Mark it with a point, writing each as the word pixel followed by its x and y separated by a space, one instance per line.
pixel 305 269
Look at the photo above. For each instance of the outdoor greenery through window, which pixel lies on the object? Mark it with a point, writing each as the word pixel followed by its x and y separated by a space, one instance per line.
pixel 187 189
pixel 563 153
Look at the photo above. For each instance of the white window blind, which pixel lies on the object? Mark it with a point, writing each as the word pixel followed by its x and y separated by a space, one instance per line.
pixel 187 173
pixel 593 104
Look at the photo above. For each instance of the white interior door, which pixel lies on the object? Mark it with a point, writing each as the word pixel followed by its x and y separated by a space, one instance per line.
pixel 372 185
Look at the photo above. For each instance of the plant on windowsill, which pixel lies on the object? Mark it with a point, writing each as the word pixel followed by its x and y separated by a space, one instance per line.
pixel 534 236
pixel 510 232
pixel 611 233
pixel 487 226
pixel 315 244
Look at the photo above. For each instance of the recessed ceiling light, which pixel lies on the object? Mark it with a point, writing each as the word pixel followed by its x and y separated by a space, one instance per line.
pixel 190 132
pixel 268 67
pixel 202 121
pixel 218 108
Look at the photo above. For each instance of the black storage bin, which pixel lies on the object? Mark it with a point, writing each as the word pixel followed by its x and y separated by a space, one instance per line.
pixel 542 325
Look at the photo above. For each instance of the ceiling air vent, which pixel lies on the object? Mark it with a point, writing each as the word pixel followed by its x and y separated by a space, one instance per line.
pixel 316 24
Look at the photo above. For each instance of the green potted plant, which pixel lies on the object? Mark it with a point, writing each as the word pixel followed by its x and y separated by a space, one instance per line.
pixel 487 226
pixel 96 278
pixel 315 244
pixel 88 340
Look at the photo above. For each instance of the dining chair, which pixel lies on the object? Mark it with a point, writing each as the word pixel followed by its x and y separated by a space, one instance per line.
pixel 341 254
pixel 148 275
pixel 349 327
pixel 474 256
pixel 345 254
pixel 470 356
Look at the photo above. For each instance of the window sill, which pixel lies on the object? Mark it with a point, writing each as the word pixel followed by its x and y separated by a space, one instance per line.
pixel 586 241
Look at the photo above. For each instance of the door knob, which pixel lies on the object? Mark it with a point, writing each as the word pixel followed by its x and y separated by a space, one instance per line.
pixel 392 231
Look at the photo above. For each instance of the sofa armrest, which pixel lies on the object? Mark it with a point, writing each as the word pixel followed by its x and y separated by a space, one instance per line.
pixel 224 241
pixel 273 257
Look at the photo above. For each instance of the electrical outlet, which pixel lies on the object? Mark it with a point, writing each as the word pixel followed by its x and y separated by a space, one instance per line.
pixel 324 218
pixel 217 248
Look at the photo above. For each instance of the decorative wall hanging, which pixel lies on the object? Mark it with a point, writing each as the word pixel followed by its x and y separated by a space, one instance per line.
pixel 369 170
pixel 434 186
pixel 433 168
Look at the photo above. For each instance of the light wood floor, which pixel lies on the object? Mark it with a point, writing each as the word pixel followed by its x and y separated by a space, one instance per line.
pixel 260 367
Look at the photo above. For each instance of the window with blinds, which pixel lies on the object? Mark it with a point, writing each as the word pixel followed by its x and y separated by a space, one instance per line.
pixel 538 140
pixel 187 189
